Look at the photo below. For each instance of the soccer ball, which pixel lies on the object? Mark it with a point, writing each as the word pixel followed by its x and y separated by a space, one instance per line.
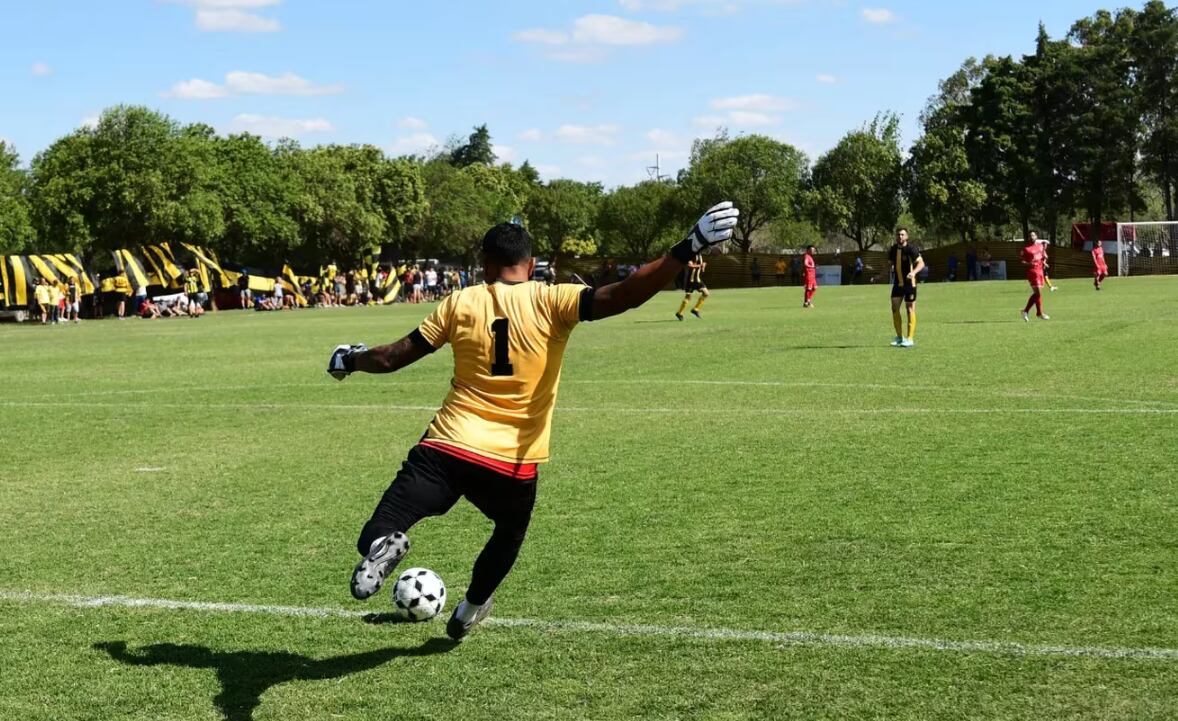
pixel 419 595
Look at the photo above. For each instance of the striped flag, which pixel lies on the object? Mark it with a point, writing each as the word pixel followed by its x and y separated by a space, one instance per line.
pixel 129 265
pixel 17 277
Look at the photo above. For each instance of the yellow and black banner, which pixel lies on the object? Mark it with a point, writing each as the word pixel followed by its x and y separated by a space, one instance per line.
pixel 163 264
pixel 208 264
pixel 291 285
pixel 129 265
pixel 17 277
pixel 68 266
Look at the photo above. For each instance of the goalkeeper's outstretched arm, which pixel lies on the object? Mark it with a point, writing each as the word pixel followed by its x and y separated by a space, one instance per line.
pixel 347 359
pixel 713 228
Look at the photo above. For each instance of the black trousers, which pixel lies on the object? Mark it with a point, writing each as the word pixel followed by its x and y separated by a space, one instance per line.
pixel 430 482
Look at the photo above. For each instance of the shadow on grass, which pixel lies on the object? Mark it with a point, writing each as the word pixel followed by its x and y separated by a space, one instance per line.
pixel 246 675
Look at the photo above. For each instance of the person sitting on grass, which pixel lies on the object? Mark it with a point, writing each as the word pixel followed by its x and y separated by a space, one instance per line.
pixel 148 309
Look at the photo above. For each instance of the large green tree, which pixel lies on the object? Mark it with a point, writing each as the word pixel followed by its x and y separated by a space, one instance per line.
pixel 16 229
pixel 1104 124
pixel 1154 51
pixel 257 197
pixel 942 192
pixel 640 220
pixel 762 176
pixel 857 183
pixel 137 178
pixel 1001 142
pixel 463 203
pixel 477 150
pixel 561 215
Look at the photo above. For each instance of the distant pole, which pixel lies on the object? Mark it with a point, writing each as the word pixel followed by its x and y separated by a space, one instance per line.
pixel 655 171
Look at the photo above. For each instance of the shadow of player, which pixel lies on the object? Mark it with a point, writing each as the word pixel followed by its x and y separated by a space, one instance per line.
pixel 246 675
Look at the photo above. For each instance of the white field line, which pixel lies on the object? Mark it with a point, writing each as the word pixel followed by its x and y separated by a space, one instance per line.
pixel 784 638
pixel 981 390
pixel 801 412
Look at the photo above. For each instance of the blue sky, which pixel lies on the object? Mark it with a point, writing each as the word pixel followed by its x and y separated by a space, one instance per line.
pixel 589 90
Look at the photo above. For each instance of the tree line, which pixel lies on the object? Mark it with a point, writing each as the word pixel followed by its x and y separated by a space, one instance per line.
pixel 1083 128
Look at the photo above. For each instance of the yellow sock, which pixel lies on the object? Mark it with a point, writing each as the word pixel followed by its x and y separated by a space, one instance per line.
pixel 911 324
pixel 683 305
pixel 898 323
pixel 700 304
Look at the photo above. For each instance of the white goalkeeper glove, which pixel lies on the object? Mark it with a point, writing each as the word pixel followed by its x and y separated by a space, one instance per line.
pixel 713 228
pixel 343 360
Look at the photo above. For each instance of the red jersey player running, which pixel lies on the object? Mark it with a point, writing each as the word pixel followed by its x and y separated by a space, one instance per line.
pixel 811 276
pixel 1032 257
pixel 1101 268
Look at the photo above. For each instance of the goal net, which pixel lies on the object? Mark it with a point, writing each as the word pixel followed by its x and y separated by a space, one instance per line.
pixel 1147 248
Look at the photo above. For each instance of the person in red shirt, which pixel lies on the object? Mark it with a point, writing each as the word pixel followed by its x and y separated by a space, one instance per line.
pixel 1032 257
pixel 811 270
pixel 1101 267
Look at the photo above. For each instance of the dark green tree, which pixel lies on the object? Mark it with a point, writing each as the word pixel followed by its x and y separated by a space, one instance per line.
pixel 563 211
pixel 16 229
pixel 476 150
pixel 857 184
pixel 762 176
pixel 1154 51
pixel 639 221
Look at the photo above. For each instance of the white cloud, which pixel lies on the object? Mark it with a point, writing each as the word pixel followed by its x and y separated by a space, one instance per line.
pixel 411 123
pixel 504 153
pixel 414 144
pixel 826 79
pixel 591 33
pixel 274 127
pixel 196 89
pixel 577 55
pixel 531 134
pixel 760 103
pixel 540 36
pixel 215 4
pixel 878 16
pixel 90 121
pixel 613 30
pixel 41 70
pixel 736 118
pixel 235 21
pixel 547 171
pixel 240 82
pixel 587 134
pixel 591 161
pixel 658 136
pixel 286 84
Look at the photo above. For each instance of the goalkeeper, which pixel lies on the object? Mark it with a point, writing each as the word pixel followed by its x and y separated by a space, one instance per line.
pixel 485 443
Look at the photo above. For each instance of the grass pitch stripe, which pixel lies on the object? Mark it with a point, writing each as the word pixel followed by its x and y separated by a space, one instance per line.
pixel 140 406
pixel 783 638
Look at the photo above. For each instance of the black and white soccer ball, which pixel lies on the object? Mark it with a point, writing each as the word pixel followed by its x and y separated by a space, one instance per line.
pixel 419 594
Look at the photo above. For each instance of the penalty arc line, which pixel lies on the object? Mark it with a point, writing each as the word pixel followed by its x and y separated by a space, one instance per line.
pixel 782 638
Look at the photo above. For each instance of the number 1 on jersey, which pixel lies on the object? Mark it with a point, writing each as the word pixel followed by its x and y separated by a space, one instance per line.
pixel 501 364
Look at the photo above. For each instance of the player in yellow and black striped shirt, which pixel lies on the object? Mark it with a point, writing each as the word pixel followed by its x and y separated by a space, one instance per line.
pixel 693 281
pixel 485 443
pixel 906 265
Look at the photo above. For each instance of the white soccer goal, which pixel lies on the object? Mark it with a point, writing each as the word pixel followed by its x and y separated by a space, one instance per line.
pixel 1147 248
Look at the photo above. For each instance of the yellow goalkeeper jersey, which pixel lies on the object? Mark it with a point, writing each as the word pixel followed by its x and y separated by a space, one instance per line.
pixel 508 341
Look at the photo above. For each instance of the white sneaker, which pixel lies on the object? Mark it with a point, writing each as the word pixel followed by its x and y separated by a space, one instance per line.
pixel 899 341
pixel 456 628
pixel 907 343
pixel 1026 317
pixel 1044 317
pixel 1054 288
pixel 385 554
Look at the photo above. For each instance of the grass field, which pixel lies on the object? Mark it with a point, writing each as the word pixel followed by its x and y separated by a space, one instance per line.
pixel 716 486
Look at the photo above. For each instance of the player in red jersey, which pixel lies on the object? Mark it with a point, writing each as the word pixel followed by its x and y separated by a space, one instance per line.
pixel 1101 267
pixel 1032 257
pixel 811 276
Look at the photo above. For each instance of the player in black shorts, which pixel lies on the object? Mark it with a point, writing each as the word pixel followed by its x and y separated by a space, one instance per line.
pixel 694 282
pixel 906 264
